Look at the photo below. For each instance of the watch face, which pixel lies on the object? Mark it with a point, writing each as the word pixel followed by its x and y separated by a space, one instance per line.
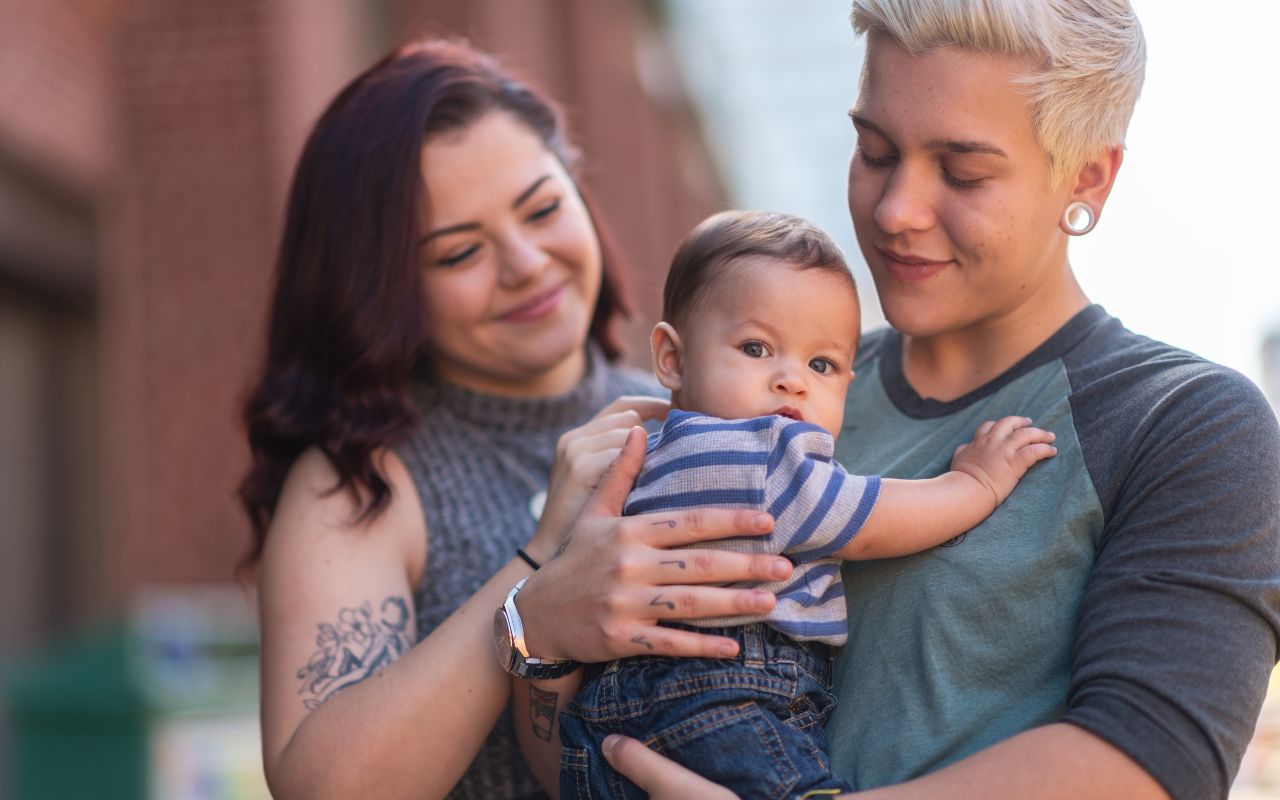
pixel 502 638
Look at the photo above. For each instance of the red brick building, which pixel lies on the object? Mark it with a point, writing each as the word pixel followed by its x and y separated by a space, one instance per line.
pixel 145 148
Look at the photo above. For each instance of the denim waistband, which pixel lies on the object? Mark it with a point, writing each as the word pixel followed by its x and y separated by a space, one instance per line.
pixel 759 645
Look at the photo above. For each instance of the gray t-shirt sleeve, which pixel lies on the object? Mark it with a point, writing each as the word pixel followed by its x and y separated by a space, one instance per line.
pixel 1177 629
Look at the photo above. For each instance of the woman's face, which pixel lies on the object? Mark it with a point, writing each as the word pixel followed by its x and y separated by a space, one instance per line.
pixel 949 190
pixel 510 260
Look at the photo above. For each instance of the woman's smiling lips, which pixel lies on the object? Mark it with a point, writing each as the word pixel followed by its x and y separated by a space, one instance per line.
pixel 909 268
pixel 536 307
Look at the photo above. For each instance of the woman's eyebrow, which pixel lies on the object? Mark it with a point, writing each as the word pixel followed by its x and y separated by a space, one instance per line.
pixel 937 144
pixel 863 122
pixel 471 226
pixel 466 226
pixel 528 192
pixel 965 147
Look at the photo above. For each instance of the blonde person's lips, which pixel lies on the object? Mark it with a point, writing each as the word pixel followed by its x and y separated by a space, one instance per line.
pixel 911 268
pixel 789 411
pixel 536 307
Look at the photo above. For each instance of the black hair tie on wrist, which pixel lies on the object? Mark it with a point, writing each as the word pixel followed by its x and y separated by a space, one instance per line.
pixel 527 559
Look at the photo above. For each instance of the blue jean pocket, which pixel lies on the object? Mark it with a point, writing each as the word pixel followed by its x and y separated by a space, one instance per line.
pixel 575 782
pixel 742 747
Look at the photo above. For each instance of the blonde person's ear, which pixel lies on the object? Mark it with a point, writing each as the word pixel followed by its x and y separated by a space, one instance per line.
pixel 1090 188
pixel 668 356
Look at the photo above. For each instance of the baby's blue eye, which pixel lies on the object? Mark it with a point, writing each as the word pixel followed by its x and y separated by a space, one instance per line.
pixel 819 365
pixel 753 349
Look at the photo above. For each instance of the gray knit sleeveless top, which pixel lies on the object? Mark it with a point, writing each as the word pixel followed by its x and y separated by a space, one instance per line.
pixel 473 459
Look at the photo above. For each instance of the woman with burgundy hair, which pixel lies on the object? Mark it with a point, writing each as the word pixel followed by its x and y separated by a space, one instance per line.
pixel 442 329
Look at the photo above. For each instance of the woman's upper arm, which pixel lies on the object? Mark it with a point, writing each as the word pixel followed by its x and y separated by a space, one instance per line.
pixel 335 596
pixel 1177 628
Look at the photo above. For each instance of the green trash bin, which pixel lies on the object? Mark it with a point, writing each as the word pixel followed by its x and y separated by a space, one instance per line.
pixel 78 722
pixel 163 707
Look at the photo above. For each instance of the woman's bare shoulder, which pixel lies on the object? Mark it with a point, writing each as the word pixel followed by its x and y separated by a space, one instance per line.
pixel 314 511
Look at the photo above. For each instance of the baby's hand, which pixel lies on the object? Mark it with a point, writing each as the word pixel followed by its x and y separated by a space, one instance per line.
pixel 1001 453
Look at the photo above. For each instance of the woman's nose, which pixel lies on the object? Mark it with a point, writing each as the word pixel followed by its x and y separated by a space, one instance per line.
pixel 522 261
pixel 907 202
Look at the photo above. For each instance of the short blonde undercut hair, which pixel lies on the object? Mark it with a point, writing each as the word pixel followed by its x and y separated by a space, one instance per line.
pixel 1089 55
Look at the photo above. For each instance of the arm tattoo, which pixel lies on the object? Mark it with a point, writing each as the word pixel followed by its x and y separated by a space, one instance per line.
pixel 542 712
pixel 643 641
pixel 563 546
pixel 357 647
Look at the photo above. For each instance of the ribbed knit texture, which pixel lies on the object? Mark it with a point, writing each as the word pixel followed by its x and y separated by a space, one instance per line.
pixel 477 512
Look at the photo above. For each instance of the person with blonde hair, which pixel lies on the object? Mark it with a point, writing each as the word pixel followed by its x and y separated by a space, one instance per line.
pixel 1108 631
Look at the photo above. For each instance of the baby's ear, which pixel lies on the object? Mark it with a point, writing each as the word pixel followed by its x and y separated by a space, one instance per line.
pixel 852 375
pixel 668 356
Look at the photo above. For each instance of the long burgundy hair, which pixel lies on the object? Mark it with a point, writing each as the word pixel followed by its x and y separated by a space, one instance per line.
pixel 348 317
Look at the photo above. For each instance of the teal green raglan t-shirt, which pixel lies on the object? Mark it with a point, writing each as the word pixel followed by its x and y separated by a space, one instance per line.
pixel 1129 585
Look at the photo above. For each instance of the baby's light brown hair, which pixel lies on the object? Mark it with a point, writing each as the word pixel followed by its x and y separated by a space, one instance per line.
pixel 708 253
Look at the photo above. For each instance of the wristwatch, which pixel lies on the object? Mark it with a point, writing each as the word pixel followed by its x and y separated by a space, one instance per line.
pixel 513 655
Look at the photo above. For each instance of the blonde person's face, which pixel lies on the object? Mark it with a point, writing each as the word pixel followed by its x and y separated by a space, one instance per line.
pixel 509 257
pixel 949 189
pixel 772 340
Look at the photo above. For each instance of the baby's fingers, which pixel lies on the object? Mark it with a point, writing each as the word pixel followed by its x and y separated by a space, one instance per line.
pixel 1026 456
pixel 1004 427
pixel 1025 436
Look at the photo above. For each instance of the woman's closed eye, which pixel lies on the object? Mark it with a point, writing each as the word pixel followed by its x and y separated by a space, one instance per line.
pixel 545 211
pixel 872 161
pixel 459 256
pixel 960 183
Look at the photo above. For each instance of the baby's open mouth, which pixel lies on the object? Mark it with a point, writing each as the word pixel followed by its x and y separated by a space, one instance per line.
pixel 790 411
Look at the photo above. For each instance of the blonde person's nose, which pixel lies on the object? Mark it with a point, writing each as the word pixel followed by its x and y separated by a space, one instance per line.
pixel 906 204
pixel 523 261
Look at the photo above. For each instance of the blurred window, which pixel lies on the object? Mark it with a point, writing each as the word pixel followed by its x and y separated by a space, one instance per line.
pixel 49 409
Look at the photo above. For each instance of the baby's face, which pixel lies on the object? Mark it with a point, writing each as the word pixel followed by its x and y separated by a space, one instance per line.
pixel 774 339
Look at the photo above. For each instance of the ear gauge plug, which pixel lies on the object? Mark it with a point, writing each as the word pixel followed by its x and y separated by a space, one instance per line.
pixel 1078 219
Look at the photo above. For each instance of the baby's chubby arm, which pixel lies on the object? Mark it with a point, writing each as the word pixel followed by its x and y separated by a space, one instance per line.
pixel 911 516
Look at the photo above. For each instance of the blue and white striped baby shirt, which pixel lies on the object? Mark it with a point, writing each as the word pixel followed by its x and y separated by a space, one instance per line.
pixel 773 464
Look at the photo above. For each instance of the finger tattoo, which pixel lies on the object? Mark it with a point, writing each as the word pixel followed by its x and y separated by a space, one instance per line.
pixel 668 522
pixel 658 601
pixel 643 641
pixel 679 563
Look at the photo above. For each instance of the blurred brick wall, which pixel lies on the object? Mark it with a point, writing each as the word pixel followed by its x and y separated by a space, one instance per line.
pixel 180 121
pixel 56 86
pixel 196 223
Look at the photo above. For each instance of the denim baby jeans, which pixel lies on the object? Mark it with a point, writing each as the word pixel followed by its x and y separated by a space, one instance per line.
pixel 752 723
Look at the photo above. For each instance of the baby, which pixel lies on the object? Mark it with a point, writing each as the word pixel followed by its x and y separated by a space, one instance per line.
pixel 760 327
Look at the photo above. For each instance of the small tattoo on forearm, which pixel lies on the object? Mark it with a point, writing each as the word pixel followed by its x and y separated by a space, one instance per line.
pixel 677 563
pixel 559 550
pixel 658 601
pixel 542 712
pixel 357 647
pixel 643 641
pixel 667 522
